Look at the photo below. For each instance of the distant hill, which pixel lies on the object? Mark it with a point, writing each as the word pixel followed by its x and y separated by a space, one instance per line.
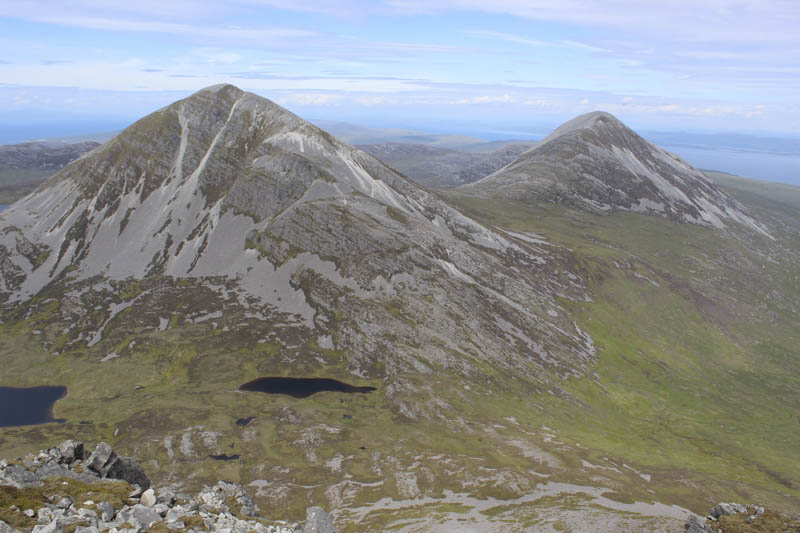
pixel 596 163
pixel 782 193
pixel 24 166
pixel 437 167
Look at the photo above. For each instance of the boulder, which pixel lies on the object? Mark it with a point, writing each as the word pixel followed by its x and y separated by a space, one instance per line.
pixel 102 456
pixel 127 469
pixel 148 498
pixel 138 515
pixel 72 450
pixel 53 527
pixel 108 464
pixel 725 509
pixel 318 521
pixel 106 511
pixel 5 528
pixel 695 524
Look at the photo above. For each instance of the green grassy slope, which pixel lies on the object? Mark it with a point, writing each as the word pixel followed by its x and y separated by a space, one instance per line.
pixel 699 369
pixel 694 398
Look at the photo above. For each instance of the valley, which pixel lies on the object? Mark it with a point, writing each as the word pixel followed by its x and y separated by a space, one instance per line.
pixel 539 357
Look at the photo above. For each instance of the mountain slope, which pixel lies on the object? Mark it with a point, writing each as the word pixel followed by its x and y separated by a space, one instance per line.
pixel 293 223
pixel 596 163
pixel 223 239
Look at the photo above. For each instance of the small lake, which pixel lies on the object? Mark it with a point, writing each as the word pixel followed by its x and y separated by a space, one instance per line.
pixel 301 387
pixel 2 207
pixel 28 406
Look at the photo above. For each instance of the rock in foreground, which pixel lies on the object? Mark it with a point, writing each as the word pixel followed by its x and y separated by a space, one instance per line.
pixel 735 517
pixel 66 489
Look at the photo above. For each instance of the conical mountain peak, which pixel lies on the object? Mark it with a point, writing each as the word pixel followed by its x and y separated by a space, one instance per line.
pixel 597 122
pixel 265 215
pixel 596 163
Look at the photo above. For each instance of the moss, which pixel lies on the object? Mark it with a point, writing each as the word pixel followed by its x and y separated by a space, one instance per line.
pixel 132 290
pixel 41 258
pixel 114 492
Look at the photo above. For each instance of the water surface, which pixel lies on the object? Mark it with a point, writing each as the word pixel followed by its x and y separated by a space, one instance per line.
pixel 301 387
pixel 28 406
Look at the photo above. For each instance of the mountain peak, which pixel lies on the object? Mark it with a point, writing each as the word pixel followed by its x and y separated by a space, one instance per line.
pixel 594 121
pixel 218 88
pixel 266 215
pixel 596 163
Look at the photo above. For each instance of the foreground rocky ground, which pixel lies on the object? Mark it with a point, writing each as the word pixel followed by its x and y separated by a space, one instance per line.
pixel 738 518
pixel 66 489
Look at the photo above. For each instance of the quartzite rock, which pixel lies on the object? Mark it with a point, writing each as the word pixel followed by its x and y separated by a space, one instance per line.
pixel 696 524
pixel 318 521
pixel 726 509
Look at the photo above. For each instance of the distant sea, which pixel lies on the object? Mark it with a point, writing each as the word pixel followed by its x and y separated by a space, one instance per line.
pixel 17 131
pixel 760 165
pixel 3 207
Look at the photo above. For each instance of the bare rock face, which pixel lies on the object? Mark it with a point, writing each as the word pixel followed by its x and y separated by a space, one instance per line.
pixel 227 199
pixel 596 163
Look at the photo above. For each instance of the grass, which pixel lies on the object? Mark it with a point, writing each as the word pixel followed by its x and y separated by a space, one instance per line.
pixel 698 392
pixel 114 492
pixel 688 388
pixel 769 522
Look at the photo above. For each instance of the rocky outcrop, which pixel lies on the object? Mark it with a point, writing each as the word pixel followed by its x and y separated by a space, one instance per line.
pixel 225 506
pixel 69 459
pixel 695 524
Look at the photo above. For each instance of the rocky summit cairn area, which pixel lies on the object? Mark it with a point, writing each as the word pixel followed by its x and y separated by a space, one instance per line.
pixel 66 489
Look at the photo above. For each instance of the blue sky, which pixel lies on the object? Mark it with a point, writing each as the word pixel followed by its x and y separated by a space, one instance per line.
pixel 446 65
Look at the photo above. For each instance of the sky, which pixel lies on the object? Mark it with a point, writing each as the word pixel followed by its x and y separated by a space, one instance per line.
pixel 440 65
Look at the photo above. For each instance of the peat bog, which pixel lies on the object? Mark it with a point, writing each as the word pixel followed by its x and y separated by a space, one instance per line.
pixel 301 387
pixel 28 406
